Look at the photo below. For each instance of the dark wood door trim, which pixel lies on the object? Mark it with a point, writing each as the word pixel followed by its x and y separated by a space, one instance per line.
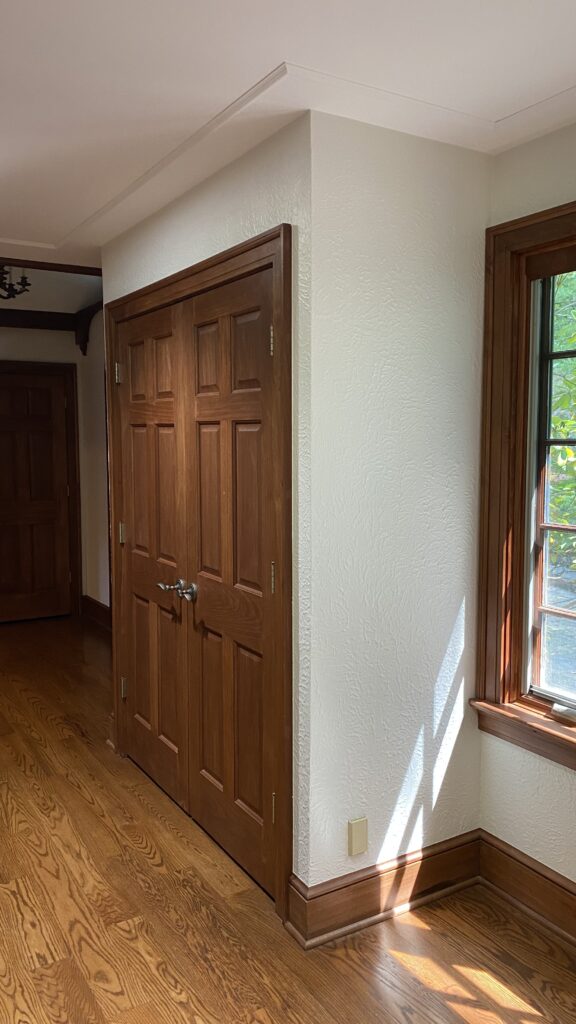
pixel 269 250
pixel 68 372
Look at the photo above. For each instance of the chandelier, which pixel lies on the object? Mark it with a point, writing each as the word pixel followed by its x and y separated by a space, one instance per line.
pixel 9 290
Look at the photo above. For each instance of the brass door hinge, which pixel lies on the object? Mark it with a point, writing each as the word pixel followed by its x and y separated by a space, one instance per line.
pixel 123 687
pixel 271 339
pixel 273 808
pixel 273 577
pixel 118 374
pixel 121 533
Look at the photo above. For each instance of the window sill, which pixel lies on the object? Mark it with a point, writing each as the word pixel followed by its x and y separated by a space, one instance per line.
pixel 528 728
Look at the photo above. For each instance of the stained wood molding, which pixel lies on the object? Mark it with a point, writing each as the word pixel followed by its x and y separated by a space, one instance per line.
pixel 321 913
pixel 526 728
pixel 517 253
pixel 549 896
pixel 96 612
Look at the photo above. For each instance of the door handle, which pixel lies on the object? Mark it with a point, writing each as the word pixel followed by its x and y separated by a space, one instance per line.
pixel 185 591
pixel 189 591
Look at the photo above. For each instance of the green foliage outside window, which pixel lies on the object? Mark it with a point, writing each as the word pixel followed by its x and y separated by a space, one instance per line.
pixel 561 496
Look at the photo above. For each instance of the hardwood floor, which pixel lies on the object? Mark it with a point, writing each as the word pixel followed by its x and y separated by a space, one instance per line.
pixel 115 907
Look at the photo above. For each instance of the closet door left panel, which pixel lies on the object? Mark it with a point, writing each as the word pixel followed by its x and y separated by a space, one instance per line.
pixel 151 538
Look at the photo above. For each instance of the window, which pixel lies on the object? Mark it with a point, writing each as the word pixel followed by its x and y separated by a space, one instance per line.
pixel 551 658
pixel 526 680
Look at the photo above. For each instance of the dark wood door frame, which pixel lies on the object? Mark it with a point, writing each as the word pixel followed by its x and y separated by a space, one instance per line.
pixel 68 372
pixel 269 250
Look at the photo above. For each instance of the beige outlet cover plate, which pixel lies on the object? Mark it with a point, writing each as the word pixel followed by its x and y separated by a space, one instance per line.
pixel 357 836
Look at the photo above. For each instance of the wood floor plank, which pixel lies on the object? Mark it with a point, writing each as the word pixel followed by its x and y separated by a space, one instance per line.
pixel 65 996
pixel 116 909
pixel 19 1003
pixel 29 926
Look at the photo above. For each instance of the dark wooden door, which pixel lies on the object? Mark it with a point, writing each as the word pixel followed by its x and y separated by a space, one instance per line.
pixel 35 550
pixel 152 624
pixel 200 454
pixel 232 520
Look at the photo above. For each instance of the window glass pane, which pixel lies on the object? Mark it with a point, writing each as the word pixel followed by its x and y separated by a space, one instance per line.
pixel 560 489
pixel 559 583
pixel 564 322
pixel 558 664
pixel 563 399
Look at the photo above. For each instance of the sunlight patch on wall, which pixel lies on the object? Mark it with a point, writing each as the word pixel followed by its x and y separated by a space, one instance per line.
pixel 449 667
pixel 447 744
pixel 406 801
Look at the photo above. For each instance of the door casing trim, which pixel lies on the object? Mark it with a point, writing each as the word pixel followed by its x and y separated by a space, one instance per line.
pixel 272 249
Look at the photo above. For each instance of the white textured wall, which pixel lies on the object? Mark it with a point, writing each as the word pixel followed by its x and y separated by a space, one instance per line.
pixel 530 802
pixel 527 800
pixel 268 186
pixel 388 307
pixel 397 264
pixel 533 177
pixel 56 347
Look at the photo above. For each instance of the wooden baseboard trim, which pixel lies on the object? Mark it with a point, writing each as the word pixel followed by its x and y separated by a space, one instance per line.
pixel 96 612
pixel 330 910
pixel 525 882
pixel 320 913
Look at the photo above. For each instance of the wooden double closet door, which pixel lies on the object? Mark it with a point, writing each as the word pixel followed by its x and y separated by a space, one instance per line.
pixel 202 496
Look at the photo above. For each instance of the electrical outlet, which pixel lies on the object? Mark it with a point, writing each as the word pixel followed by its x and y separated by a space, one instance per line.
pixel 357 836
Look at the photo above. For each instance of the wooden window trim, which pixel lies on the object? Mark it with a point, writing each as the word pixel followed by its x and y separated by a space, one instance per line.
pixel 517 253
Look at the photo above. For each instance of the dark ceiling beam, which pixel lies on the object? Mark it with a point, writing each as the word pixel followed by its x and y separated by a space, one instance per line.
pixel 63 268
pixel 38 319
pixel 45 320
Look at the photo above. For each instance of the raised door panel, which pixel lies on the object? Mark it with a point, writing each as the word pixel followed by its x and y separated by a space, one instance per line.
pixel 248 725
pixel 138 487
pixel 209 494
pixel 166 466
pixel 208 359
pixel 250 344
pixel 137 375
pixel 8 478
pixel 247 525
pixel 140 679
pixel 211 717
pixel 10 559
pixel 44 556
pixel 40 465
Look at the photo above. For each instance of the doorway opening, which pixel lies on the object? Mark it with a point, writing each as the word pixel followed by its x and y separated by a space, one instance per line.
pixel 54 490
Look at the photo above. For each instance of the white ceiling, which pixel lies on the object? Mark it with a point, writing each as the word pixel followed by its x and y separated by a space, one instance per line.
pixel 55 291
pixel 112 109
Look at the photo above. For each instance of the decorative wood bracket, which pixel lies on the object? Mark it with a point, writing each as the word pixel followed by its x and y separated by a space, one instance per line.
pixel 84 318
pixel 46 320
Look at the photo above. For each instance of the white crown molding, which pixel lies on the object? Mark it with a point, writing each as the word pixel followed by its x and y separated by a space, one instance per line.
pixel 286 92
pixel 25 244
